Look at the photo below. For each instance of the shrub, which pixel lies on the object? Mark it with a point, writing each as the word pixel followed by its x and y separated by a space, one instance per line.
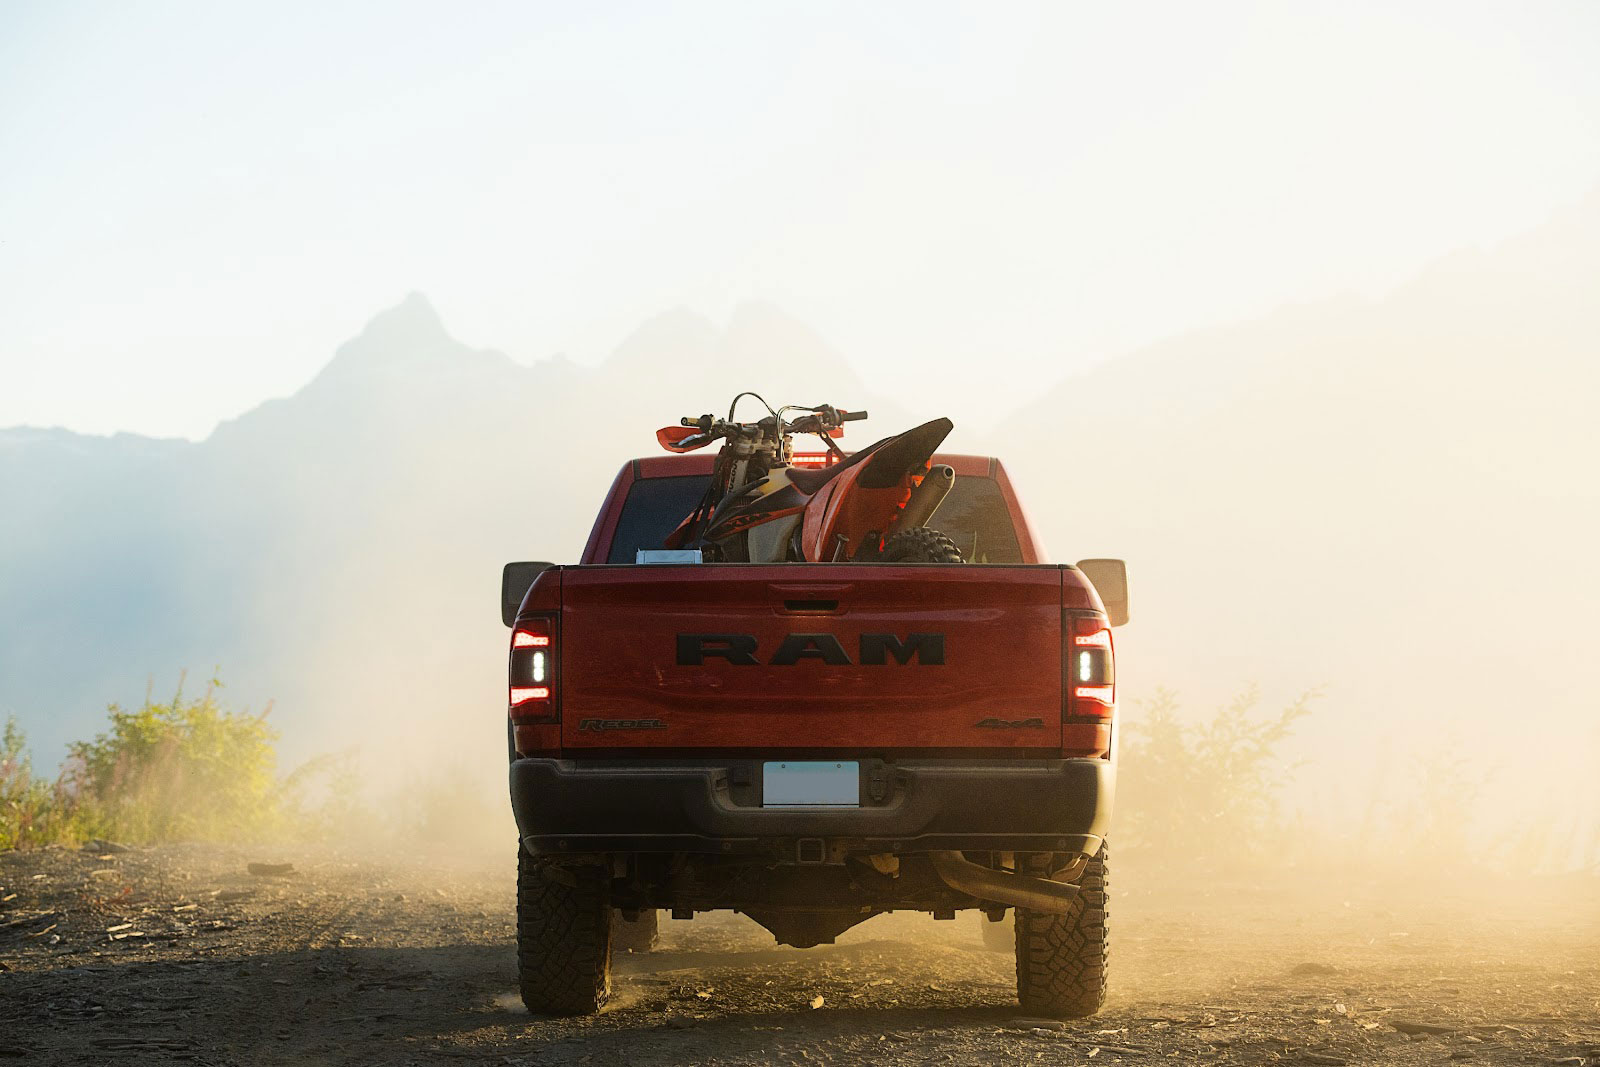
pixel 185 769
pixel 32 812
pixel 1202 794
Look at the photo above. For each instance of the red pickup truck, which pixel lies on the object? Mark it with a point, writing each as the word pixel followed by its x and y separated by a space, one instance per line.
pixel 811 744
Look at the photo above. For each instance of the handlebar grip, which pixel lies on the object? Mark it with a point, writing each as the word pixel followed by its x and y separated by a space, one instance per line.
pixel 852 416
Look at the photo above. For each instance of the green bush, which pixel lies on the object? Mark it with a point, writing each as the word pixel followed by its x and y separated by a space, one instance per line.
pixel 185 769
pixel 1202 794
pixel 32 812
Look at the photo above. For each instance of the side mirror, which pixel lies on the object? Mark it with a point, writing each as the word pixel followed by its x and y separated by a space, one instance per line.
pixel 1110 579
pixel 514 582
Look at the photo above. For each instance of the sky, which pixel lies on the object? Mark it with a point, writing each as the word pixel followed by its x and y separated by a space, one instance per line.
pixel 199 202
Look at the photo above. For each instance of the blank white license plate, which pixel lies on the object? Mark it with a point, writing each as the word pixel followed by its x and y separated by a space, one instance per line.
pixel 824 784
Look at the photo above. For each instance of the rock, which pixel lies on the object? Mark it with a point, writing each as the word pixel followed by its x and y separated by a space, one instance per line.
pixel 98 845
pixel 816 1001
pixel 270 870
pixel 1038 1024
pixel 1412 1026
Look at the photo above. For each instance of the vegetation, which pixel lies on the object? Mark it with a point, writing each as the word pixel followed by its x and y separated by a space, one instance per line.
pixel 1203 794
pixel 32 812
pixel 187 769
pixel 184 769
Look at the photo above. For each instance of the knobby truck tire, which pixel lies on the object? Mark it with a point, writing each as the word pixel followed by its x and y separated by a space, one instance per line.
pixel 563 939
pixel 919 545
pixel 1061 959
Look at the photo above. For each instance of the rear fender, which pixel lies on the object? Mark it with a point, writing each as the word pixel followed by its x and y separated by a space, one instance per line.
pixel 845 508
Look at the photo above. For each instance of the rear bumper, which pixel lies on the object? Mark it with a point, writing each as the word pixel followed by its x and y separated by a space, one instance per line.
pixel 567 806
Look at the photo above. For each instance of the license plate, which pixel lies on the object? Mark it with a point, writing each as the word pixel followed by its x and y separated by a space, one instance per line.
pixel 824 784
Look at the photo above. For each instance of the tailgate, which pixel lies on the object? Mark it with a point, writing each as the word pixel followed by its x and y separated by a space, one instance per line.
pixel 815 657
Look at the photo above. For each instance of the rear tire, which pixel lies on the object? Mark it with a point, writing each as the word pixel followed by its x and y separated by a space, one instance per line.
pixel 563 938
pixel 920 545
pixel 640 935
pixel 998 936
pixel 1061 959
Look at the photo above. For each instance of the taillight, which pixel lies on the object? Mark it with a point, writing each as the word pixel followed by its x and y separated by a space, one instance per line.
pixel 1090 686
pixel 532 692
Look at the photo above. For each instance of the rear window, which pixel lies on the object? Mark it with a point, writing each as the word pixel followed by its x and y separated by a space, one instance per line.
pixel 974 516
pixel 654 509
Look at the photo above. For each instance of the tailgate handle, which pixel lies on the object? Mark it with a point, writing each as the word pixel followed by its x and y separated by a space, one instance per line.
pixel 811 607
pixel 811 598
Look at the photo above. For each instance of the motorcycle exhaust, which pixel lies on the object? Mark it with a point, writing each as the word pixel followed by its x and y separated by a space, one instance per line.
pixel 1002 887
pixel 926 498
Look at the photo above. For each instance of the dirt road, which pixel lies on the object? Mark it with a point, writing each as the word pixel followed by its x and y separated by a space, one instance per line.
pixel 181 955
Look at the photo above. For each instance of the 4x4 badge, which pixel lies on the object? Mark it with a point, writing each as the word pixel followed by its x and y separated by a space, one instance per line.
pixel 1011 724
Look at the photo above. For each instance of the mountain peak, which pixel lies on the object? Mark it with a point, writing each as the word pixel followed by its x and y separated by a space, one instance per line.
pixel 409 322
pixel 401 341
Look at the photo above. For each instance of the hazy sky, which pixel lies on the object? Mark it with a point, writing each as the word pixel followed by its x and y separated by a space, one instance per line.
pixel 199 201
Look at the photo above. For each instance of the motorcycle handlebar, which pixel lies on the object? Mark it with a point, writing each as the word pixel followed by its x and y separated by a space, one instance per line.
pixel 809 424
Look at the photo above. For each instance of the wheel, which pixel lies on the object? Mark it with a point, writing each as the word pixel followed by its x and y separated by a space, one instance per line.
pixel 640 935
pixel 998 936
pixel 919 545
pixel 1061 959
pixel 563 937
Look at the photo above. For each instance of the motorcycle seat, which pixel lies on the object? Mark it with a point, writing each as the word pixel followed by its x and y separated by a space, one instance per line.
pixel 811 479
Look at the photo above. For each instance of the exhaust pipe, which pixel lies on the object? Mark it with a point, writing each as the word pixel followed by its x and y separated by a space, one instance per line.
pixel 926 498
pixel 1018 890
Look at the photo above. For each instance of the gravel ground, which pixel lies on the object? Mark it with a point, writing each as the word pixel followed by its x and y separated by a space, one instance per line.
pixel 181 954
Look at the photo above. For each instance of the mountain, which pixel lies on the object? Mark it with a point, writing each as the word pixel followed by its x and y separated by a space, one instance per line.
pixel 1396 499
pixel 337 551
pixel 1393 498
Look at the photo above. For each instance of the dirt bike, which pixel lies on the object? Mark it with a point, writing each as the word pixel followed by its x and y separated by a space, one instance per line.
pixel 871 506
